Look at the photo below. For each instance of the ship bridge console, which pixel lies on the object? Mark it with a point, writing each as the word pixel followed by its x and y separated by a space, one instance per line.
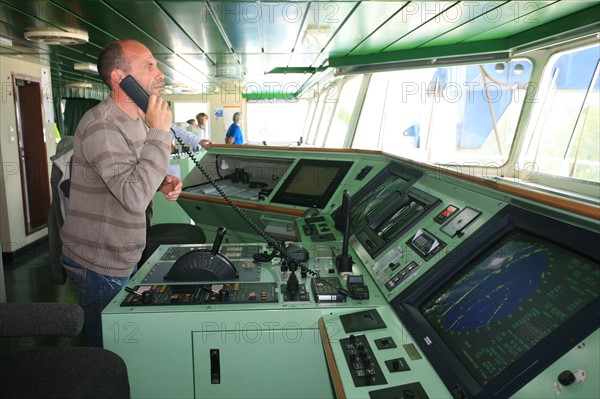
pixel 346 274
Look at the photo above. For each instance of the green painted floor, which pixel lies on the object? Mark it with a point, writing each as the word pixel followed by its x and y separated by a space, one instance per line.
pixel 28 281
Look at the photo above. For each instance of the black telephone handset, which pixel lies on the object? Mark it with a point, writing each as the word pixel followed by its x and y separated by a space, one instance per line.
pixel 133 89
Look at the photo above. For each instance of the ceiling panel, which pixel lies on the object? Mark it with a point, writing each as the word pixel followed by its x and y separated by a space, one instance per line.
pixel 281 25
pixel 193 71
pixel 273 60
pixel 240 24
pixel 202 62
pixel 190 38
pixel 328 17
pixel 160 31
pixel 445 21
pixel 196 21
pixel 521 16
pixel 414 15
pixel 480 18
pixel 366 20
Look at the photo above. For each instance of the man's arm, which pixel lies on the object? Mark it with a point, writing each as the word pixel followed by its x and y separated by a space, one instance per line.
pixel 188 138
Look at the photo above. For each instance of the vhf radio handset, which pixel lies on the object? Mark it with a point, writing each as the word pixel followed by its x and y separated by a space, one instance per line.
pixel 140 97
pixel 135 92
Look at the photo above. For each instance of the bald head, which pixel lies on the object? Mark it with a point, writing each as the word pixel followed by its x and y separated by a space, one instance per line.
pixel 120 58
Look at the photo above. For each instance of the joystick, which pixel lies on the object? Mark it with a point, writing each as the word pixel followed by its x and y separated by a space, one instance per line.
pixel 344 261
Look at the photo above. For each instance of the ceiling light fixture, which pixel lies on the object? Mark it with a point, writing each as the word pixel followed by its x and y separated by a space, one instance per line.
pixel 5 42
pixel 228 71
pixel 316 35
pixel 79 85
pixel 85 67
pixel 54 37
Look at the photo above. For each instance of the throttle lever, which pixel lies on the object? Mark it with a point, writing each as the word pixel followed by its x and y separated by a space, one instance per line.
pixel 218 240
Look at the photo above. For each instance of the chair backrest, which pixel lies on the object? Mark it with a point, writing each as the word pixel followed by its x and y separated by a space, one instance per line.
pixel 60 179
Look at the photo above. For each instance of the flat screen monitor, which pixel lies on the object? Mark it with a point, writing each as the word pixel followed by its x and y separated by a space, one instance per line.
pixel 312 182
pixel 506 303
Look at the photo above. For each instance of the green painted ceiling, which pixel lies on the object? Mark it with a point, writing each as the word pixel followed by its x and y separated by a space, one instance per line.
pixel 269 40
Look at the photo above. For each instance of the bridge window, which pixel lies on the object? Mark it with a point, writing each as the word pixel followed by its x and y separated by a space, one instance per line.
pixel 343 112
pixel 445 115
pixel 318 105
pixel 328 98
pixel 562 137
pixel 276 122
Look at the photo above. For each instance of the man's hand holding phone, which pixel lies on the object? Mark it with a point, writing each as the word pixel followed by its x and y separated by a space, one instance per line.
pixel 153 110
pixel 158 115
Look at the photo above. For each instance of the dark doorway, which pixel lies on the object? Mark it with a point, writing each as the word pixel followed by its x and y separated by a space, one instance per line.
pixel 32 153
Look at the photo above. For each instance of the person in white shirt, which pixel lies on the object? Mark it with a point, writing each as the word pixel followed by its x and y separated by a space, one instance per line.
pixel 202 119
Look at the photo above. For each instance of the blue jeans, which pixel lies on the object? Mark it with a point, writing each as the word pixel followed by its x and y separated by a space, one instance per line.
pixel 94 292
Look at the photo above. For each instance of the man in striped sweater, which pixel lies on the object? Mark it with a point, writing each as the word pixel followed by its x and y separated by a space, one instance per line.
pixel 120 159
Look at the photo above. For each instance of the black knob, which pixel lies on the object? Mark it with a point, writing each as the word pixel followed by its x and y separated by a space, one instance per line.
pixel 352 338
pixel 223 295
pixel 395 364
pixel 147 297
pixel 566 378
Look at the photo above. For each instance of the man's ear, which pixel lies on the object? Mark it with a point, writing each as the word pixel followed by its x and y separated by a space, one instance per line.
pixel 117 76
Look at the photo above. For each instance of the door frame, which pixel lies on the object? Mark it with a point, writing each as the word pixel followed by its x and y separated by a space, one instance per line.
pixel 41 157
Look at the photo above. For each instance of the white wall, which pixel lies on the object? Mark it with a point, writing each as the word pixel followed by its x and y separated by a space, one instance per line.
pixel 12 219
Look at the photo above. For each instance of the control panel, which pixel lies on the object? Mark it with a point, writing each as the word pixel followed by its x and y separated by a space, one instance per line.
pixel 351 279
pixel 201 294
pixel 261 276
pixel 361 361
pixel 374 359
pixel 317 229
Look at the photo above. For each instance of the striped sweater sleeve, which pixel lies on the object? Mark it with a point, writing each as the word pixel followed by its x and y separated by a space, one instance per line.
pixel 131 178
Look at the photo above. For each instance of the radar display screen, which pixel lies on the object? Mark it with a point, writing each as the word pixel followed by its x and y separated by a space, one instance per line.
pixel 508 300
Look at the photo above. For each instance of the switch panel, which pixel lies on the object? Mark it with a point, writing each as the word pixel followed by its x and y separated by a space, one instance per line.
pixel 361 361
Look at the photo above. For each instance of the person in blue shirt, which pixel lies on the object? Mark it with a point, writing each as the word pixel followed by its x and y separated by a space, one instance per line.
pixel 234 133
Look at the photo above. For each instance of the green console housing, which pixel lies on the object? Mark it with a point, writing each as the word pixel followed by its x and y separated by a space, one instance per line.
pixel 262 334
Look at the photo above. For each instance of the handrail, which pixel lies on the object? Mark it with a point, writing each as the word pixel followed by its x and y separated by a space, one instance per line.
pixel 245 205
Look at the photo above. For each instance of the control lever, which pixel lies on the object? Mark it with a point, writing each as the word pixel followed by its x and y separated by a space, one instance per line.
pixel 218 240
pixel 204 265
pixel 344 261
